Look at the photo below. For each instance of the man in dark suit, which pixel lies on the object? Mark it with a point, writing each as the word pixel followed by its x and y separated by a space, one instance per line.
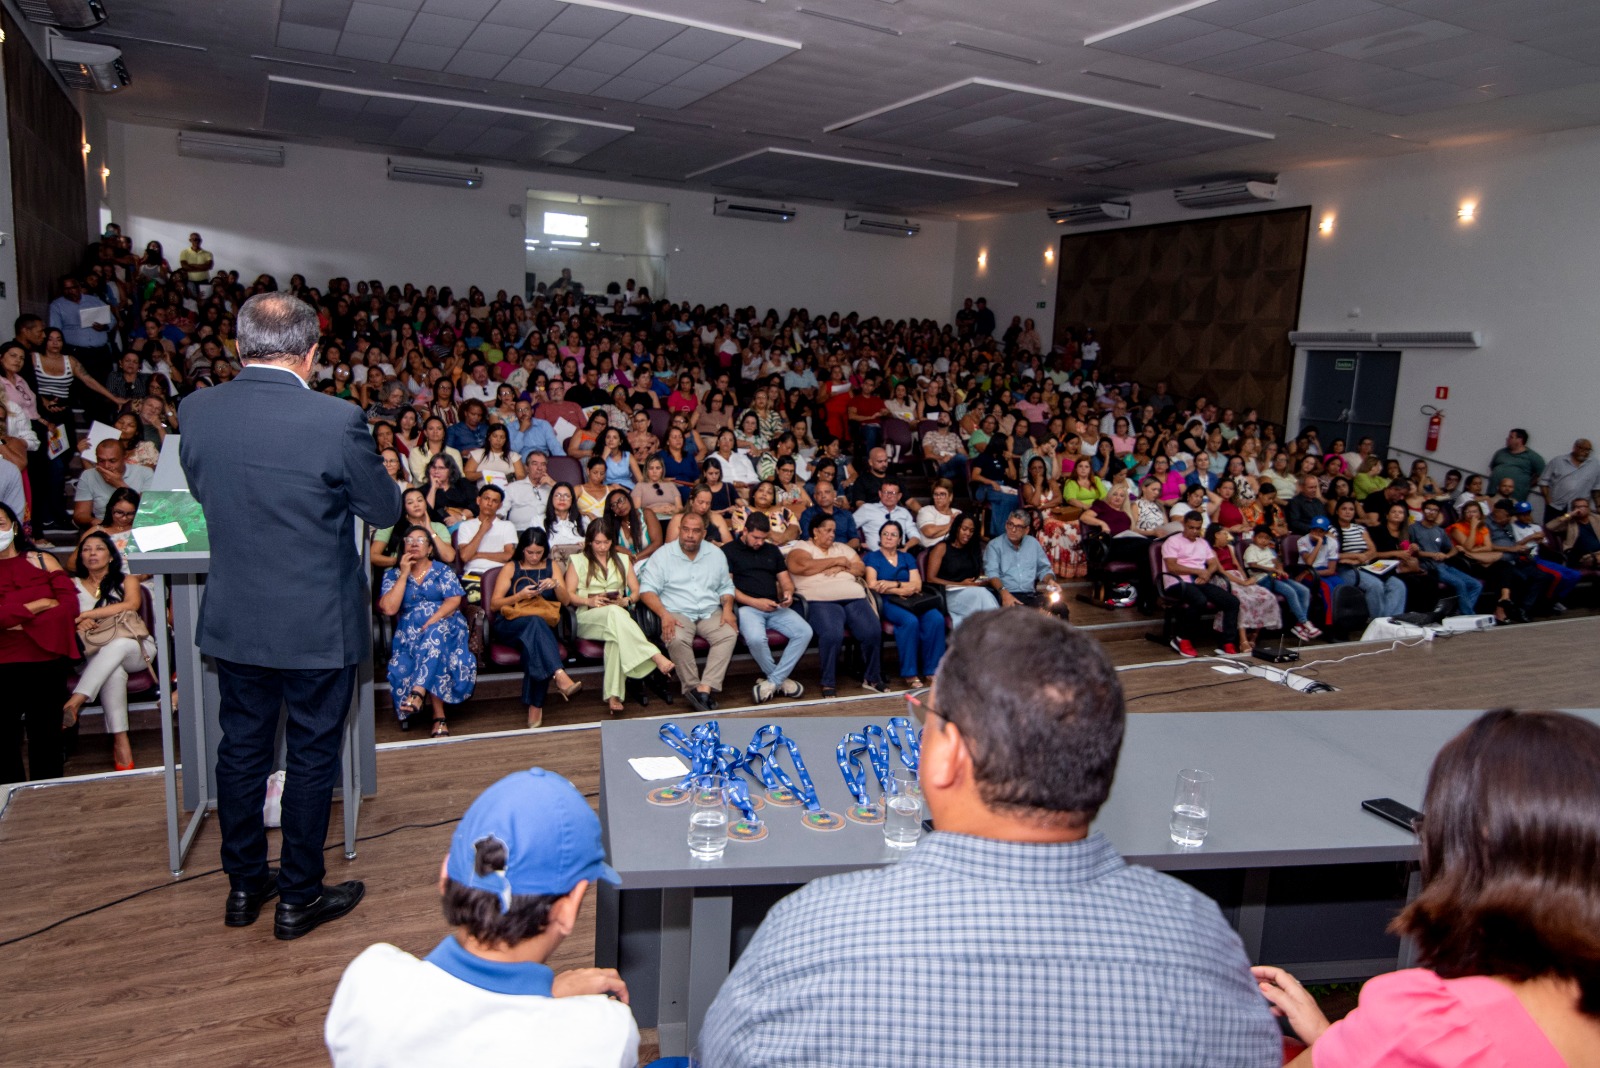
pixel 281 471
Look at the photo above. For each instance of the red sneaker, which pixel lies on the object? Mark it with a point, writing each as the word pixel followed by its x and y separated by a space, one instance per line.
pixel 1184 647
pixel 1229 650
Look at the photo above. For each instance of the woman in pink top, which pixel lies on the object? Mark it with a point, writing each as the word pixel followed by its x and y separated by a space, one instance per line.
pixel 1507 926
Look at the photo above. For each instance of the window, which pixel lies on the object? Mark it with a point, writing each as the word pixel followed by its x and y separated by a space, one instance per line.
pixel 563 225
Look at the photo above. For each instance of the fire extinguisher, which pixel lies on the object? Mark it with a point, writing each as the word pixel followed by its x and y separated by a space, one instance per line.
pixel 1435 420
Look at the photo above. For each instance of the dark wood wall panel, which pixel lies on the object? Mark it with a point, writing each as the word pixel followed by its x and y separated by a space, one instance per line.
pixel 1206 305
pixel 47 186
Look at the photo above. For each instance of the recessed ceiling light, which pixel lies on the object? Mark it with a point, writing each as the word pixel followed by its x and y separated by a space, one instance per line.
pixel 1119 78
pixel 996 53
pixel 439 85
pixel 1225 100
pixel 302 63
pixel 874 27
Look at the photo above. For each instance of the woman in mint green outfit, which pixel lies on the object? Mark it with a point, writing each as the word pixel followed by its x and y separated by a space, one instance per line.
pixel 603 586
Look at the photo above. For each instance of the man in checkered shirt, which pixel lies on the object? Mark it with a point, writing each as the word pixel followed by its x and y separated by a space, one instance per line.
pixel 1012 936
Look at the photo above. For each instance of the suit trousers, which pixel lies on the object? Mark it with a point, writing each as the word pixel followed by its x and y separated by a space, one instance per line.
pixel 681 649
pixel 33 693
pixel 318 700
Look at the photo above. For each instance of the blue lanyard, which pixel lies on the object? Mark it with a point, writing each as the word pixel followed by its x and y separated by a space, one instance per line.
pixel 738 795
pixel 851 746
pixel 877 754
pixel 709 755
pixel 910 749
pixel 772 773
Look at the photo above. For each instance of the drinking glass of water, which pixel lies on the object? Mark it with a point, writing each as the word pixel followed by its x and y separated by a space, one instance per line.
pixel 708 818
pixel 1191 807
pixel 902 824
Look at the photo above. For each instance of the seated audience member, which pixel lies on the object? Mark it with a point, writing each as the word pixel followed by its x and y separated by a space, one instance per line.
pixel 993 478
pixel 432 444
pixel 1579 531
pixel 1258 608
pixel 657 495
pixel 825 497
pixel 122 507
pixel 1188 564
pixel 1306 505
pixel 829 574
pixel 530 433
pixel 1261 560
pixel 594 490
pixel 1516 552
pixel 1013 878
pixel 918 623
pixel 783 522
pixel 1570 478
pixel 470 432
pixel 943 448
pixel 718 531
pixel 689 589
pixel 1561 579
pixel 956 566
pixel 1373 510
pixel 871 516
pixel 452 500
pixel 636 533
pixel 1480 559
pixel 386 546
pixel 1017 564
pixel 1438 555
pixel 484 541
pixel 111 472
pixel 1385 594
pixel 527 498
pixel 526 606
pixel 429 658
pixel 496 460
pixel 104 593
pixel 765 595
pixel 1507 926
pixel 934 520
pixel 512 884
pixel 603 586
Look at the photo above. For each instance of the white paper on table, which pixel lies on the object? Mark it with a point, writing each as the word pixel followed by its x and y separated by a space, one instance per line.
pixel 660 767
pixel 98 313
pixel 99 432
pixel 163 536
pixel 564 430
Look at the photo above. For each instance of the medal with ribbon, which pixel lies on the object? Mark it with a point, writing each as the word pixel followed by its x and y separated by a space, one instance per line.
pixel 708 755
pixel 906 740
pixel 851 747
pixel 782 790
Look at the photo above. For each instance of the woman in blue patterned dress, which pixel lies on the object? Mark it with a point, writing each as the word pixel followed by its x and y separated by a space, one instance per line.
pixel 430 659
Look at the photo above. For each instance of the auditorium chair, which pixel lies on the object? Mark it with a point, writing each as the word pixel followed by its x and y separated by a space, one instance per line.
pixel 900 440
pixel 1553 550
pixel 142 681
pixel 660 420
pixel 565 469
pixel 497 654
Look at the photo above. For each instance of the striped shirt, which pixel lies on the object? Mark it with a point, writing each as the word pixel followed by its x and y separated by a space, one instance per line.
pixel 59 386
pixel 973 951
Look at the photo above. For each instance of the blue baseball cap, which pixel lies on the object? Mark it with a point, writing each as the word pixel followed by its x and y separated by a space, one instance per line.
pixel 1524 508
pixel 1321 522
pixel 551 835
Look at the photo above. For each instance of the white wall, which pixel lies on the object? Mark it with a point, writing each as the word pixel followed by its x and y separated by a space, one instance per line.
pixel 333 212
pixel 1526 272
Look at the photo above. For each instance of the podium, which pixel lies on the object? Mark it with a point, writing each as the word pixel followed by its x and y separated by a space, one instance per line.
pixel 180 569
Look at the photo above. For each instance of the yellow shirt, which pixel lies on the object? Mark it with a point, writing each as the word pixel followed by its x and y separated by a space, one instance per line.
pixel 196 265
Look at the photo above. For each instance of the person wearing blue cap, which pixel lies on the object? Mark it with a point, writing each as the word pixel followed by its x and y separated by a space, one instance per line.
pixel 519 865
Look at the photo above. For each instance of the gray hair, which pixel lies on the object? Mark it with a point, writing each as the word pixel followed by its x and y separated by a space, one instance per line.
pixel 275 327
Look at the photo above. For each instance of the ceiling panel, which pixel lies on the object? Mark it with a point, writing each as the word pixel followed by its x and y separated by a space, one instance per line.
pixel 1021 124
pixel 435 127
pixel 781 173
pixel 569 47
pixel 1403 57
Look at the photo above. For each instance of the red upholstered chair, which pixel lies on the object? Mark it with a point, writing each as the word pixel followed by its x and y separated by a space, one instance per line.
pixel 660 420
pixel 901 442
pixel 565 469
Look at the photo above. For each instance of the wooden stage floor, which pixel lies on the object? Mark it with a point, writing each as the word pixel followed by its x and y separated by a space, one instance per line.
pixel 158 979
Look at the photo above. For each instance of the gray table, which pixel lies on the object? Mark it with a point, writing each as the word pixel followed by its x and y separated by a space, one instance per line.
pixel 1287 796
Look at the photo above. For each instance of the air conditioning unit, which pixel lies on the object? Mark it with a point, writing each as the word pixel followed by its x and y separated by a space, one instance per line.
pixel 733 209
pixel 94 68
pixel 224 150
pixel 1431 339
pixel 1225 194
pixel 1081 214
pixel 867 224
pixel 1333 339
pixel 68 14
pixel 436 174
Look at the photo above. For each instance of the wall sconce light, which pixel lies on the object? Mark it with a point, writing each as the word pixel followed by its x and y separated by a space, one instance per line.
pixel 105 172
pixel 1467 212
pixel 1049 255
pixel 86 148
pixel 1325 227
pixel 983 260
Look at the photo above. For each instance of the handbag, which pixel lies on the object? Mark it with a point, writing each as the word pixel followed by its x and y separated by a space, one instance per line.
pixel 125 624
pixel 915 603
pixel 541 607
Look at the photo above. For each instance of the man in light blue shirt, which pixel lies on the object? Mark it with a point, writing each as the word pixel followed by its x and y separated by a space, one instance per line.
pixel 1020 563
pixel 532 434
pixel 87 343
pixel 801 377
pixel 688 587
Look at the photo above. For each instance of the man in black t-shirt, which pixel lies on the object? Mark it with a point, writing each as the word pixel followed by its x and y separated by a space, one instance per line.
pixel 764 592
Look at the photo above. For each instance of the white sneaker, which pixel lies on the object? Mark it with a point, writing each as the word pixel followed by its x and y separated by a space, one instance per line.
pixel 792 689
pixel 763 691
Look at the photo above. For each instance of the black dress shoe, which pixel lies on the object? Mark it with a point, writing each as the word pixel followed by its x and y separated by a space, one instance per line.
pixel 697 700
pixel 244 906
pixel 710 699
pixel 292 921
pixel 656 683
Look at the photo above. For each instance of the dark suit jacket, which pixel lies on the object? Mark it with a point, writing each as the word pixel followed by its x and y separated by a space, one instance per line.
pixel 281 471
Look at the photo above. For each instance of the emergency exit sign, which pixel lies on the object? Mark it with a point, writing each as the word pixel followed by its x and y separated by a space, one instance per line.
pixel 1441 393
pixel 1345 363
